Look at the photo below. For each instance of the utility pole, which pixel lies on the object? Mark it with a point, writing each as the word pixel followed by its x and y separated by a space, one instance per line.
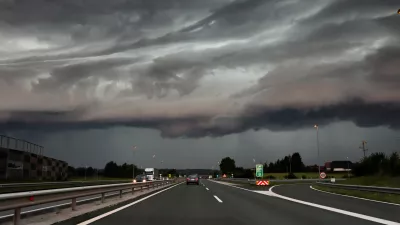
pixel 363 147
pixel 319 168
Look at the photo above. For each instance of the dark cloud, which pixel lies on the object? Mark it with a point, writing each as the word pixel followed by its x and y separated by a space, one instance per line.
pixel 64 77
pixel 162 64
pixel 361 113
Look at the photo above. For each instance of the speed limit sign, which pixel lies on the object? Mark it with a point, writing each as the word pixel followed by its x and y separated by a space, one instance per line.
pixel 322 175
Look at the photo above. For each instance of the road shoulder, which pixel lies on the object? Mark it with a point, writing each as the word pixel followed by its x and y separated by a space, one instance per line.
pixel 303 192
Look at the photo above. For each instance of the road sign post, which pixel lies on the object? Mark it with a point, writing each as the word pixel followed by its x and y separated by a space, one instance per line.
pixel 259 170
pixel 322 175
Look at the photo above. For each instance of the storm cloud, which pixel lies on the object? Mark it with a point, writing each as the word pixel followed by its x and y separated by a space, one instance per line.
pixel 192 68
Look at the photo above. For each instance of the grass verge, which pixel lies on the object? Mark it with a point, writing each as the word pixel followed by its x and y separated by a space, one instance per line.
pixel 383 181
pixel 392 198
pixel 305 175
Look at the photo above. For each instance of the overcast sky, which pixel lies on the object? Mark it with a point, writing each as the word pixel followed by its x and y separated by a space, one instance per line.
pixel 192 81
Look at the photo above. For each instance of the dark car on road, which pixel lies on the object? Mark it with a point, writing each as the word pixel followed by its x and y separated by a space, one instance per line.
pixel 140 178
pixel 193 179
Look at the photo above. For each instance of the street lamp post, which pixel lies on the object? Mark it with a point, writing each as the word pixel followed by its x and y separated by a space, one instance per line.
pixel 319 171
pixel 348 168
pixel 85 171
pixel 133 159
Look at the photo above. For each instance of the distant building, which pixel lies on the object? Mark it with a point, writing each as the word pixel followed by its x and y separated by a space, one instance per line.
pixel 328 166
pixel 338 166
pixel 22 160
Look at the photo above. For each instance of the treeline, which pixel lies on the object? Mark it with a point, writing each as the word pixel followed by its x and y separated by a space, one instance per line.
pixel 81 171
pixel 291 163
pixel 114 170
pixel 378 164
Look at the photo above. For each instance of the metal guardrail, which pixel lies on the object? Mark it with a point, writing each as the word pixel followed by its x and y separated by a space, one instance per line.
pixel 387 190
pixel 16 201
pixel 11 185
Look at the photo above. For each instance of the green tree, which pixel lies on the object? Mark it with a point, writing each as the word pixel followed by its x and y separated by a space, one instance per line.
pixel 394 164
pixel 227 165
pixel 297 163
pixel 111 169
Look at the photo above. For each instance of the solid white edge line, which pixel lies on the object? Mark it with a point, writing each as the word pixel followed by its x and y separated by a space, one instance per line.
pixel 349 196
pixel 219 182
pixel 360 216
pixel 124 207
pixel 357 215
pixel 216 197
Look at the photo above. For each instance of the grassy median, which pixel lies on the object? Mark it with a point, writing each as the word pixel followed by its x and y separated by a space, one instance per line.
pixel 382 181
pixel 392 198
pixel 305 175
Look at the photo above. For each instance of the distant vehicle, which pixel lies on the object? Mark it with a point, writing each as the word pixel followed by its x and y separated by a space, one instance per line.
pixel 151 173
pixel 140 178
pixel 192 179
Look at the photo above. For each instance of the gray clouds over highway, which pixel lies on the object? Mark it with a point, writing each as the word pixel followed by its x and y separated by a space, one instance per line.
pixel 254 73
pixel 190 68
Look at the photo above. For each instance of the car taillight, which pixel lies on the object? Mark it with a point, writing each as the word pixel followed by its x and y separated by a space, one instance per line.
pixel 197 179
pixel 187 179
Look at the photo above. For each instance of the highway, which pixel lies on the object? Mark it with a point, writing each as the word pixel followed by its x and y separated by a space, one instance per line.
pixel 371 208
pixel 216 203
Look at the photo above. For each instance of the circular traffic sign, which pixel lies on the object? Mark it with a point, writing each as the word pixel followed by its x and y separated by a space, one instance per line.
pixel 322 175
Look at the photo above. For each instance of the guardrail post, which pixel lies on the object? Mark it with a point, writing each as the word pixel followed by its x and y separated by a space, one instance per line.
pixel 120 193
pixel 17 216
pixel 103 197
pixel 133 191
pixel 73 204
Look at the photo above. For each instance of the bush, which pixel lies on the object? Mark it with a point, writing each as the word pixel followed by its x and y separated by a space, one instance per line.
pixel 303 176
pixel 290 176
pixel 270 177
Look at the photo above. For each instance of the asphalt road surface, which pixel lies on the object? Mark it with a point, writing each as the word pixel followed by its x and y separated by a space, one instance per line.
pixel 304 192
pixel 216 203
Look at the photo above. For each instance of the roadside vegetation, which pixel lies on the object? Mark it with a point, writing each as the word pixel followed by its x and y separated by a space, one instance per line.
pixel 288 167
pixel 378 169
pixel 392 198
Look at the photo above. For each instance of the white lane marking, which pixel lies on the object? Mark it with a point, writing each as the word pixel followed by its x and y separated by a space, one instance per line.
pixel 207 189
pixel 229 185
pixel 124 207
pixel 349 196
pixel 271 193
pixel 357 215
pixel 216 197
